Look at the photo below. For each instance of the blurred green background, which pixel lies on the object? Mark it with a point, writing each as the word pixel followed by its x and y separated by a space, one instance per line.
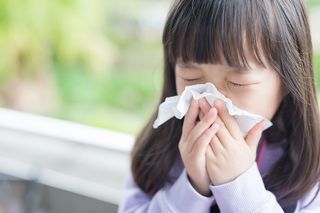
pixel 95 62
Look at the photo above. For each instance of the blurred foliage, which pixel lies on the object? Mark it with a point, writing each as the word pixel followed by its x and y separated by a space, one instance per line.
pixel 104 68
pixel 313 2
pixel 35 33
pixel 106 75
pixel 122 98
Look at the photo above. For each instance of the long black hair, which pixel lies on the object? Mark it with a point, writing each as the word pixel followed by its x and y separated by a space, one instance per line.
pixel 278 31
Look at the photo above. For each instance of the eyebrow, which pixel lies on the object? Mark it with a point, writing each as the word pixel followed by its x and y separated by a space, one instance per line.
pixel 189 66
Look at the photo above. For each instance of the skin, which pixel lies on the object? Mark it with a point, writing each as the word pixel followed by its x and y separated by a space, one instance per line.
pixel 212 147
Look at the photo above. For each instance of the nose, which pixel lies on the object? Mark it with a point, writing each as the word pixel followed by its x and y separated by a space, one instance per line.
pixel 220 87
pixel 223 90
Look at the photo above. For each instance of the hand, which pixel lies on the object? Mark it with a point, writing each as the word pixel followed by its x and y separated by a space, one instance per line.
pixel 195 138
pixel 229 154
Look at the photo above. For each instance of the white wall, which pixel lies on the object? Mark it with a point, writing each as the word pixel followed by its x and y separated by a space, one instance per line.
pixel 76 158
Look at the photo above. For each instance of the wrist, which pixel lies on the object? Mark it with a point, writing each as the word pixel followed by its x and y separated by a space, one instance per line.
pixel 201 188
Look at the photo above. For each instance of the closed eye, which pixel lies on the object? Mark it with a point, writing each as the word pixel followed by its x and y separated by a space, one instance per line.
pixel 238 85
pixel 190 80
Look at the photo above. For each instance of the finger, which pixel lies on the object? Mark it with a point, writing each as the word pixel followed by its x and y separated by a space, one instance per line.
pixel 210 156
pixel 202 126
pixel 223 133
pixel 200 146
pixel 229 121
pixel 201 115
pixel 191 117
pixel 204 105
pixel 216 146
pixel 254 135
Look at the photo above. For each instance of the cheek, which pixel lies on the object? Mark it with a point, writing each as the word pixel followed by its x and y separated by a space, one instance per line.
pixel 271 102
pixel 180 85
pixel 264 100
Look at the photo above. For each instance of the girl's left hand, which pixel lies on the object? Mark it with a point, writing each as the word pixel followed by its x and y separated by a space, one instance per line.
pixel 229 154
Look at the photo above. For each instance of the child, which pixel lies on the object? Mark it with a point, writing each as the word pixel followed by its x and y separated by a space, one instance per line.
pixel 258 53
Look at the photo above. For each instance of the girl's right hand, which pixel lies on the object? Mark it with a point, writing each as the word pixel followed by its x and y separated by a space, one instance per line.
pixel 195 138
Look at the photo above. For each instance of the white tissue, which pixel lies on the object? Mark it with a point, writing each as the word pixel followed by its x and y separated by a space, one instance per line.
pixel 177 106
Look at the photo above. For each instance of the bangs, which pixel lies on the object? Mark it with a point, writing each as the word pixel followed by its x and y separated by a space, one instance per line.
pixel 212 31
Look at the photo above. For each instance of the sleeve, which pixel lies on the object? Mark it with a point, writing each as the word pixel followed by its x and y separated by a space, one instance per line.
pixel 178 197
pixel 310 203
pixel 246 193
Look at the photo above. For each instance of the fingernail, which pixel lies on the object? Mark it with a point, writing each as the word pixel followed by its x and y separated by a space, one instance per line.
pixel 201 101
pixel 214 128
pixel 212 111
pixel 219 103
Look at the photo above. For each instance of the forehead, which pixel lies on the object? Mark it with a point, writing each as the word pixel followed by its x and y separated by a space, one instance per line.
pixel 223 66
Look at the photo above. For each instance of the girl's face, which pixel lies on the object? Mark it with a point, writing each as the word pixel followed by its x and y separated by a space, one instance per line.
pixel 258 90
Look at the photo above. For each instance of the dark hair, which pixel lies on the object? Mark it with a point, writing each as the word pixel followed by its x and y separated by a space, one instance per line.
pixel 275 33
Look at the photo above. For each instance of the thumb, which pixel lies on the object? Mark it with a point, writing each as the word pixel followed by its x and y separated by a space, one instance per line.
pixel 254 135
